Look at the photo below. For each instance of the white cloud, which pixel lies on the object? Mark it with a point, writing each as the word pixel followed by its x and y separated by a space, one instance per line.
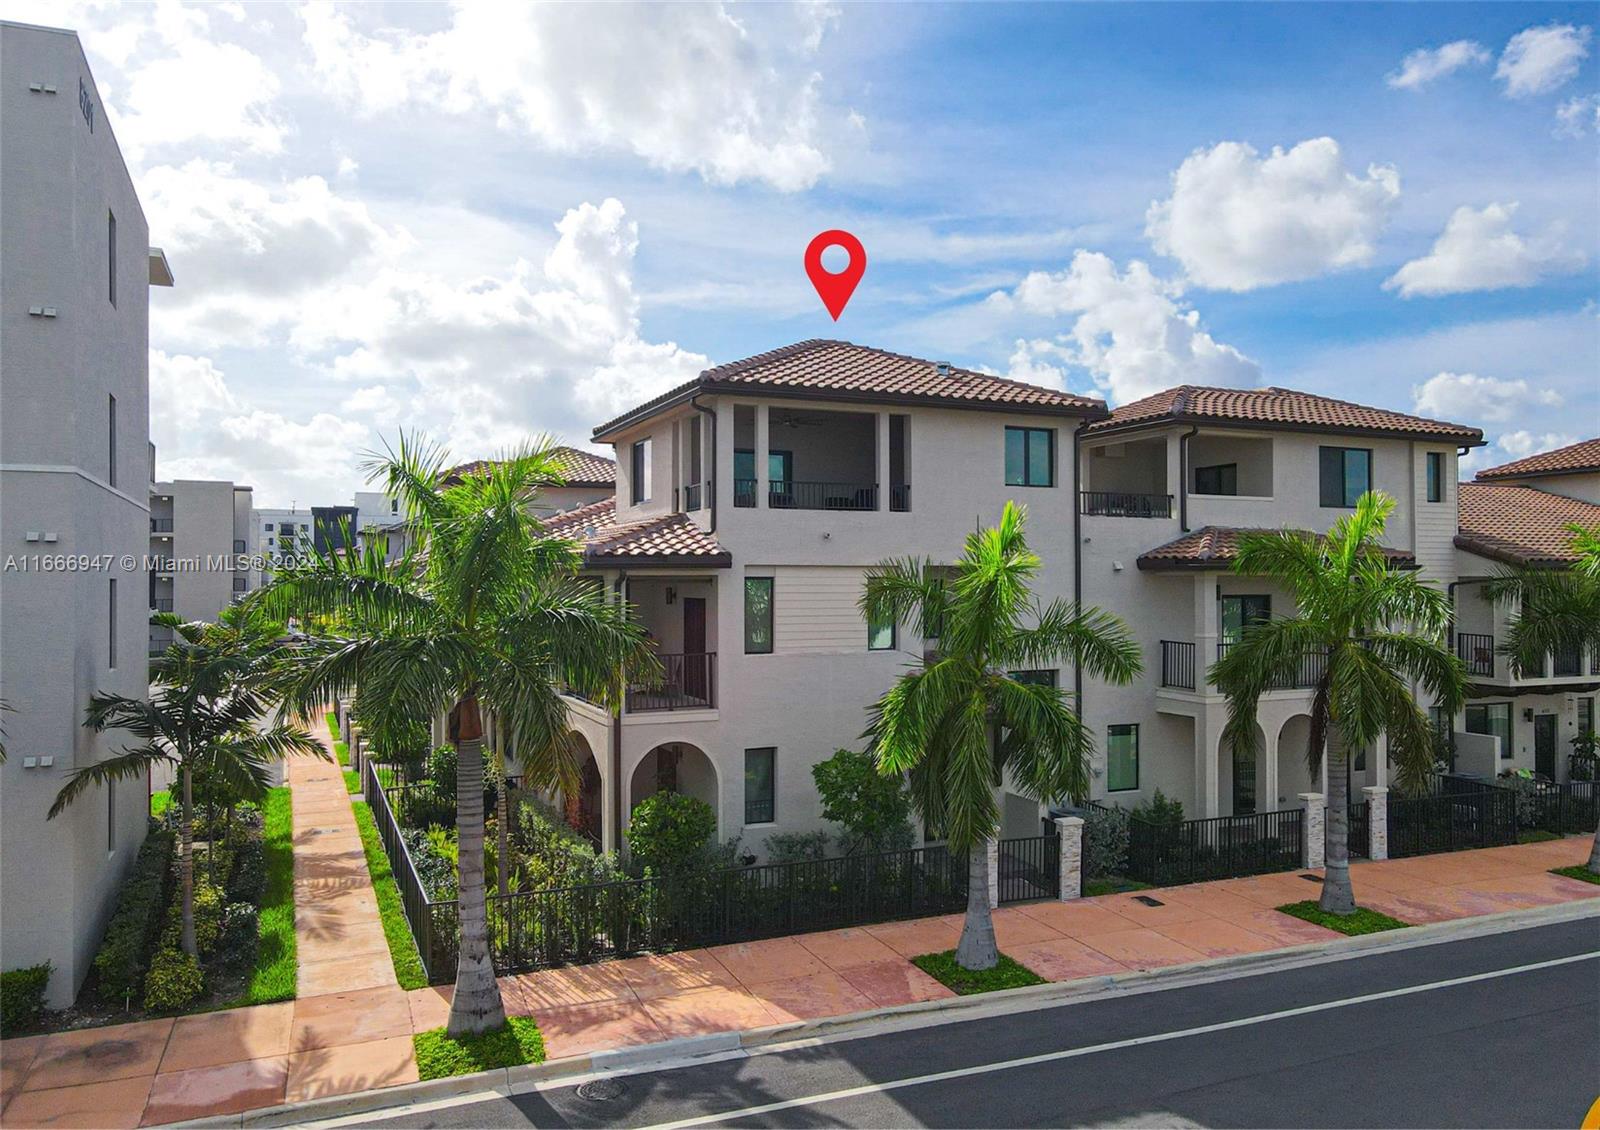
pixel 1487 399
pixel 1578 116
pixel 685 87
pixel 1130 332
pixel 1237 221
pixel 1538 60
pixel 1423 65
pixel 1478 250
pixel 1511 445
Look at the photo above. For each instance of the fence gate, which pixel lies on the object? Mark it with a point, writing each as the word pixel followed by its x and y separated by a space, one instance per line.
pixel 1030 868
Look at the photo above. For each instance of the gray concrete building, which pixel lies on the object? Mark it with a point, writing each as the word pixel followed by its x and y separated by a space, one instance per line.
pixel 75 268
pixel 200 549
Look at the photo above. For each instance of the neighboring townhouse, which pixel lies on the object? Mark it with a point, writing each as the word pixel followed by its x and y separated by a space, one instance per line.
pixel 75 473
pixel 1513 517
pixel 200 550
pixel 749 503
pixel 589 478
pixel 1170 484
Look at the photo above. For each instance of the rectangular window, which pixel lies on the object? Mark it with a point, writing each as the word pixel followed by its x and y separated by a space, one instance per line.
pixel 111 257
pixel 241 584
pixel 639 472
pixel 1122 758
pixel 1346 474
pixel 111 817
pixel 1221 479
pixel 757 615
pixel 760 785
pixel 1585 716
pixel 111 625
pixel 1030 457
pixel 780 466
pixel 111 440
pixel 1239 612
pixel 1492 718
pixel 1035 678
pixel 881 637
pixel 1435 476
pixel 269 527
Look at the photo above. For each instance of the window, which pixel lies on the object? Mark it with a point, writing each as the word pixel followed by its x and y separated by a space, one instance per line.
pixel 111 440
pixel 757 615
pixel 760 780
pixel 1035 678
pixel 1585 716
pixel 111 625
pixel 241 584
pixel 111 817
pixel 1122 758
pixel 111 257
pixel 780 466
pixel 1030 457
pixel 1221 479
pixel 1435 476
pixel 1240 612
pixel 394 506
pixel 880 637
pixel 1346 474
pixel 639 471
pixel 1492 718
pixel 269 527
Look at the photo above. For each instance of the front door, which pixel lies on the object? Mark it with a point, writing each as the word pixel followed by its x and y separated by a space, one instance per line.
pixel 696 678
pixel 1544 745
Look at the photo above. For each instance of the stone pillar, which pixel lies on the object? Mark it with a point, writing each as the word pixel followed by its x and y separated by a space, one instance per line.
pixel 993 845
pixel 1377 821
pixel 1069 830
pixel 345 722
pixel 1316 843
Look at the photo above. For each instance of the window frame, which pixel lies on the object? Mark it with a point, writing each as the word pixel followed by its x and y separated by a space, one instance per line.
pixel 1233 482
pixel 772 785
pixel 639 471
pixel 111 257
pixel 1037 677
pixel 772 599
pixel 1323 493
pixel 1245 620
pixel 1130 729
pixel 111 817
pixel 111 439
pixel 874 629
pixel 111 624
pixel 1434 475
pixel 1028 434
pixel 1508 750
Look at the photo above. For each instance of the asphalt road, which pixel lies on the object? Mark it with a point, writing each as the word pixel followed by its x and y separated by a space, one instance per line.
pixel 1508 1046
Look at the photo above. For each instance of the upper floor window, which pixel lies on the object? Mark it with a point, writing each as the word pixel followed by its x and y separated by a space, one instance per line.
pixel 269 527
pixel 1221 479
pixel 757 615
pixel 880 636
pixel 1435 476
pixel 111 440
pixel 1039 678
pixel 111 257
pixel 639 471
pixel 760 785
pixel 1122 758
pixel 1030 457
pixel 1346 474
pixel 111 625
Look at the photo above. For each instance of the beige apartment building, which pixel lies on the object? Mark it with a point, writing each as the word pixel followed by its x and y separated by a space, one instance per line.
pixel 75 271
pixel 200 550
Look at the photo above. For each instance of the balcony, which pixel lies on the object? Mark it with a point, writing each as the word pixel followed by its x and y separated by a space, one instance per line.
pixel 161 525
pixel 686 682
pixel 1305 674
pixel 1125 504
pixel 1477 652
pixel 1177 665
pixel 793 494
pixel 161 604
pixel 691 497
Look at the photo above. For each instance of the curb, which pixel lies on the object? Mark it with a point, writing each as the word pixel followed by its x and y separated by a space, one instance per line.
pixel 779 1037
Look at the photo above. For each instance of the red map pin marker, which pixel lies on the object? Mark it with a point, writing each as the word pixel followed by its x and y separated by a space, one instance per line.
pixel 835 289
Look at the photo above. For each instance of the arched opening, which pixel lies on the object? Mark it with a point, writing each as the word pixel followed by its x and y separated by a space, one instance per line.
pixel 1244 782
pixel 583 808
pixel 1294 777
pixel 675 767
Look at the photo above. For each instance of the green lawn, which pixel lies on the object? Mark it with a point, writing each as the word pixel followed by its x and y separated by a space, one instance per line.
pixel 159 803
pixel 1577 872
pixel 402 947
pixel 1112 885
pixel 276 967
pixel 1363 921
pixel 352 781
pixel 518 1042
pixel 1008 974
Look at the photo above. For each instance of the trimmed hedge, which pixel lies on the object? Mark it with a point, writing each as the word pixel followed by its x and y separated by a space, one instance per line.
pixel 136 924
pixel 174 981
pixel 22 998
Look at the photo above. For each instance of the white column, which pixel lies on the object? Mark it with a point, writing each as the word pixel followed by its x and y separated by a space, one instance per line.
pixel 1377 821
pixel 993 846
pixel 882 492
pixel 762 447
pixel 1380 759
pixel 1316 844
pixel 1267 772
pixel 1069 830
pixel 1208 735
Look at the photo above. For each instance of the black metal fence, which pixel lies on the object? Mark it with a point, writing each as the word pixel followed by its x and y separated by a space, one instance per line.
pixel 413 897
pixel 1303 673
pixel 1221 847
pixel 1454 814
pixel 1177 664
pixel 1562 809
pixel 1030 868
pixel 1476 651
pixel 1360 834
pixel 1125 504
pixel 688 681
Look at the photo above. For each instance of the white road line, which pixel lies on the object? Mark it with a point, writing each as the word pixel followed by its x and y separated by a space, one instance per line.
pixel 1115 1045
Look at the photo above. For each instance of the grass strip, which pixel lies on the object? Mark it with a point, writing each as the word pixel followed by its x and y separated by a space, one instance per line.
pixel 1363 921
pixel 277 968
pixel 1007 974
pixel 159 803
pixel 1112 886
pixel 438 1055
pixel 396 930
pixel 352 781
pixel 1536 836
pixel 1577 872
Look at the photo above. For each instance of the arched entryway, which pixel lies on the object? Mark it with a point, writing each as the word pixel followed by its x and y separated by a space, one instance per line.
pixel 584 808
pixel 675 767
pixel 1294 776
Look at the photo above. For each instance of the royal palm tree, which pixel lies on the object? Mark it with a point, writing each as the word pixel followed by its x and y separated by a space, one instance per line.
pixel 1553 611
pixel 483 619
pixel 961 723
pixel 207 715
pixel 1381 631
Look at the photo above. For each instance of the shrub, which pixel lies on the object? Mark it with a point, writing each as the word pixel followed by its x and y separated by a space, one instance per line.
pixel 1105 843
pixel 442 770
pixel 173 982
pixel 136 923
pixel 207 914
pixel 22 998
pixel 248 882
pixel 239 937
pixel 796 847
pixel 436 870
pixel 873 810
pixel 422 808
pixel 669 832
pixel 1160 810
pixel 553 855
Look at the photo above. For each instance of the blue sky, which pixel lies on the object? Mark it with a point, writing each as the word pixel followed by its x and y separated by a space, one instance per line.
pixel 489 221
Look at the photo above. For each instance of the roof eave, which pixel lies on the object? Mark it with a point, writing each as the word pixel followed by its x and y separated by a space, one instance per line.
pixel 1172 419
pixel 654 560
pixel 1508 556
pixel 1493 476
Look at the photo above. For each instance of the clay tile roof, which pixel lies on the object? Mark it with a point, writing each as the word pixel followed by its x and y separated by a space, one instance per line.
pixel 1280 408
pixel 1574 458
pixel 669 539
pixel 840 370
pixel 582 468
pixel 1521 525
pixel 1215 547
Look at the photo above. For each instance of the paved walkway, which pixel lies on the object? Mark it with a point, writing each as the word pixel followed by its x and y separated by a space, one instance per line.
pixel 359 1039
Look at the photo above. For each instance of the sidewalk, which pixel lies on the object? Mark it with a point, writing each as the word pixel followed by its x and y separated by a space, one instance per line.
pixel 359 1039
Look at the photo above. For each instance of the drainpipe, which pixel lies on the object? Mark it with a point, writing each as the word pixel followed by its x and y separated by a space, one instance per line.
pixel 709 451
pixel 1077 556
pixel 1183 478
pixel 617 588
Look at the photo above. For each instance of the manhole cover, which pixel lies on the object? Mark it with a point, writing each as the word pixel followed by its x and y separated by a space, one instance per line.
pixel 602 1090
pixel 1148 901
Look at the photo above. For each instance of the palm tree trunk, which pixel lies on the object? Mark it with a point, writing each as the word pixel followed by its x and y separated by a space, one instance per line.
pixel 502 808
pixel 1594 852
pixel 978 949
pixel 186 865
pixel 476 1007
pixel 1337 895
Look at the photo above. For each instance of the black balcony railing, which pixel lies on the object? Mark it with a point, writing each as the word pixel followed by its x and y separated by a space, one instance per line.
pixel 1305 673
pixel 1123 504
pixel 1476 651
pixel 795 494
pixel 744 492
pixel 1567 663
pixel 686 682
pixel 161 525
pixel 691 497
pixel 1177 664
pixel 900 497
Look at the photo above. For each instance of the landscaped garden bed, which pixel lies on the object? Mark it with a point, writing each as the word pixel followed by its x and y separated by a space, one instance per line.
pixel 440 1055
pixel 1008 973
pixel 1363 921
